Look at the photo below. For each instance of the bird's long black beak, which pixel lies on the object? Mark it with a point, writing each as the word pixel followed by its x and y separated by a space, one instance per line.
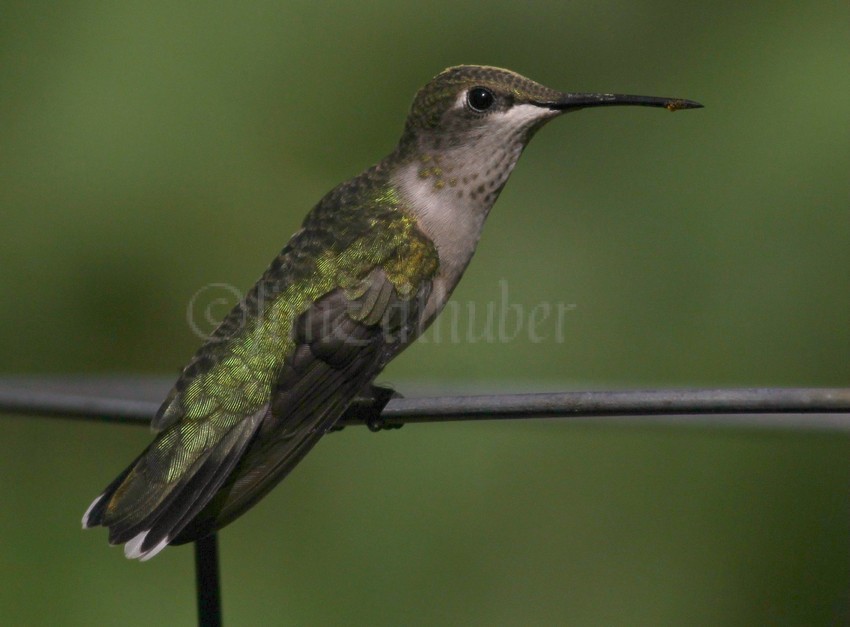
pixel 580 101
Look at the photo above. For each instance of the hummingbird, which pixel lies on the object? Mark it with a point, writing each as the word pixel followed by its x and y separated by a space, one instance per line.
pixel 372 265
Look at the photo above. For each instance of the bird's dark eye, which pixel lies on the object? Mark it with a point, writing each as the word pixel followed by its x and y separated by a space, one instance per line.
pixel 480 98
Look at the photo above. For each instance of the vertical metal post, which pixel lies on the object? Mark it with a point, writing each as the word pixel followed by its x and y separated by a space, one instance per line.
pixel 207 581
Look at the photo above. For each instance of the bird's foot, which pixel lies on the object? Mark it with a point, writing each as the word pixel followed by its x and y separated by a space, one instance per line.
pixel 368 406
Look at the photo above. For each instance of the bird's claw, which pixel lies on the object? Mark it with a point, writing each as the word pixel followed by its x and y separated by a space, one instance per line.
pixel 368 406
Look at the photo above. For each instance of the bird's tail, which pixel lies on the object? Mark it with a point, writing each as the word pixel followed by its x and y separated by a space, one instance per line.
pixel 146 507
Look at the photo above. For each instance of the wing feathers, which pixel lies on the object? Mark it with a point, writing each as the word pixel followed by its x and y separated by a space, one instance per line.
pixel 199 474
pixel 336 357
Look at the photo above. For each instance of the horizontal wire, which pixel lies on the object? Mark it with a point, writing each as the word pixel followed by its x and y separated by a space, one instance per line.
pixel 805 408
pixel 789 408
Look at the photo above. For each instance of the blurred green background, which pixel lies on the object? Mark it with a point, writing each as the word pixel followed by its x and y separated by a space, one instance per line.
pixel 151 150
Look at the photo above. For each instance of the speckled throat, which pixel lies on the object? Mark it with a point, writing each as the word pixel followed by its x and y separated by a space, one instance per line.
pixel 451 188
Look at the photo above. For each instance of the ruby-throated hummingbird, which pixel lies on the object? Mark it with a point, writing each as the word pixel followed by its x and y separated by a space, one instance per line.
pixel 372 265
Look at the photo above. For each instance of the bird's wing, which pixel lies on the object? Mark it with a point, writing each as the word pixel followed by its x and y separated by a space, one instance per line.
pixel 274 376
pixel 343 342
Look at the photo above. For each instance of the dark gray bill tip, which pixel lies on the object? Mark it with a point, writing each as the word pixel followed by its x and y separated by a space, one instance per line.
pixel 580 101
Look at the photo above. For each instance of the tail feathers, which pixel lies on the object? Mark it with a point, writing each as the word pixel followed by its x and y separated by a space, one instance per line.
pixel 92 516
pixel 158 530
pixel 96 511
pixel 134 547
pixel 145 514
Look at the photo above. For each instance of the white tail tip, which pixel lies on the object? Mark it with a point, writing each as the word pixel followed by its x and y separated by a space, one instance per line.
pixel 86 523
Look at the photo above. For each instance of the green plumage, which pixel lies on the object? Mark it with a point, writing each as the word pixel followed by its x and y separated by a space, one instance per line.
pixel 359 226
pixel 359 250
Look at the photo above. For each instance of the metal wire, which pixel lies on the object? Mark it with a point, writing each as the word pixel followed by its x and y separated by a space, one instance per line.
pixel 790 408
pixel 805 408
